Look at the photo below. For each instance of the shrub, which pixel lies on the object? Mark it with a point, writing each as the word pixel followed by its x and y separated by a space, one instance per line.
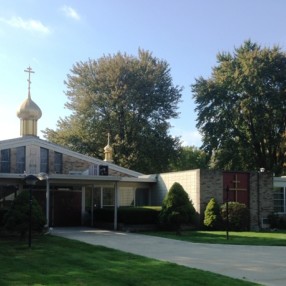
pixel 17 217
pixel 128 215
pixel 212 218
pixel 139 215
pixel 238 216
pixel 277 221
pixel 2 215
pixel 177 208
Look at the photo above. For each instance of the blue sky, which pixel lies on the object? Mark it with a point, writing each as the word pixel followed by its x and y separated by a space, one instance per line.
pixel 51 36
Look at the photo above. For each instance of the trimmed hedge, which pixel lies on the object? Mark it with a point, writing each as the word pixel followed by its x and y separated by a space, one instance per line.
pixel 2 215
pixel 128 215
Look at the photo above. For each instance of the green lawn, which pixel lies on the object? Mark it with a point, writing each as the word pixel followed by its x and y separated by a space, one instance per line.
pixel 59 261
pixel 219 237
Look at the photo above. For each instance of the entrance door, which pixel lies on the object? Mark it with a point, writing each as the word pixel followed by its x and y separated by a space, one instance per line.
pixel 238 186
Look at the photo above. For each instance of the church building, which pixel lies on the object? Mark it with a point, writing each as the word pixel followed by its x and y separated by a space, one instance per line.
pixel 70 185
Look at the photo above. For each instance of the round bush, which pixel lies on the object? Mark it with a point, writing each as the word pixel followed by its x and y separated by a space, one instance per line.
pixel 238 216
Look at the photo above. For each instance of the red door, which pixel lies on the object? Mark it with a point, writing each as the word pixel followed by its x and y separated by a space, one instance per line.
pixel 238 185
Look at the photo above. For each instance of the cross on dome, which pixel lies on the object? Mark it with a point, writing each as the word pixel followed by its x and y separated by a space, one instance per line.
pixel 29 70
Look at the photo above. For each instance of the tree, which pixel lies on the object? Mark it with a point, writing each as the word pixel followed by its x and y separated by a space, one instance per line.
pixel 17 217
pixel 212 218
pixel 242 109
pixel 131 98
pixel 189 157
pixel 177 208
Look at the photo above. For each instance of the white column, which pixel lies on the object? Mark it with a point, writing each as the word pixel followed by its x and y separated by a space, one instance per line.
pixel 47 202
pixel 115 204
pixel 82 204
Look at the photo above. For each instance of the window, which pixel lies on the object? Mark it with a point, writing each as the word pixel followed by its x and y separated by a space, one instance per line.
pixel 108 197
pixel 20 159
pixel 5 161
pixel 280 200
pixel 58 163
pixel 44 160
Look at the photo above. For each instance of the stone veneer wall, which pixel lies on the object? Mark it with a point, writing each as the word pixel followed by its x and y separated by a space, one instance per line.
pixel 74 164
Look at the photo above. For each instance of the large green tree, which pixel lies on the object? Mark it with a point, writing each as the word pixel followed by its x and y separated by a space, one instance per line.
pixel 133 99
pixel 189 157
pixel 242 109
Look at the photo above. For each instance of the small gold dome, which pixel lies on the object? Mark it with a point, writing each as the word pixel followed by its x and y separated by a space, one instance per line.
pixel 29 110
pixel 108 151
pixel 108 148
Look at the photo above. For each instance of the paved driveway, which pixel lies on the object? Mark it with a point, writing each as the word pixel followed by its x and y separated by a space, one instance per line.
pixel 261 264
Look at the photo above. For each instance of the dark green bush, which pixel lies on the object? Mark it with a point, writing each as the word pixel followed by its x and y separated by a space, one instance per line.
pixel 128 215
pixel 238 216
pixel 3 212
pixel 277 221
pixel 17 217
pixel 177 209
pixel 212 217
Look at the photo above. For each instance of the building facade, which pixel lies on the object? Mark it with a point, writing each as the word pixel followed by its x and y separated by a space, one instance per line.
pixel 71 185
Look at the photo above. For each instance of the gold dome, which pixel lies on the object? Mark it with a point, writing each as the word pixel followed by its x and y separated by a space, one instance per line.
pixel 29 110
pixel 108 151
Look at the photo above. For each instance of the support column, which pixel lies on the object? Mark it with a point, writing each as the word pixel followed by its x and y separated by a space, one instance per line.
pixel 47 203
pixel 115 204
pixel 82 204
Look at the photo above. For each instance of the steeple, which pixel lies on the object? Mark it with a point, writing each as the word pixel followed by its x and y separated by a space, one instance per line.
pixel 108 151
pixel 29 112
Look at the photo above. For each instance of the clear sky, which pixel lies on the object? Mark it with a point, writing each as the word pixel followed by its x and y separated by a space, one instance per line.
pixel 52 35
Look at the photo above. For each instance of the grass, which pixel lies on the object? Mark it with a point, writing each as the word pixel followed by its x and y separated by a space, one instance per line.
pixel 59 261
pixel 219 237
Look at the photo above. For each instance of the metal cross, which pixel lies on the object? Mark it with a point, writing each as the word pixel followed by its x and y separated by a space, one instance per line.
pixel 236 188
pixel 29 70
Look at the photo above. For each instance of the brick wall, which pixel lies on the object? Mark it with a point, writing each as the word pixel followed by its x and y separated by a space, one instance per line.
pixel 264 200
pixel 202 185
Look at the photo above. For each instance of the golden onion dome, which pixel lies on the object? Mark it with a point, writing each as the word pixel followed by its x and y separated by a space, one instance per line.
pixel 29 110
pixel 108 148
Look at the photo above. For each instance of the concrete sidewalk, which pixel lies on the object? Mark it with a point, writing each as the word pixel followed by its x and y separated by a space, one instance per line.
pixel 261 264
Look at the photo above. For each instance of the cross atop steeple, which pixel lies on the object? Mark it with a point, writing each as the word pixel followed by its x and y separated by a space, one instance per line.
pixel 108 138
pixel 29 70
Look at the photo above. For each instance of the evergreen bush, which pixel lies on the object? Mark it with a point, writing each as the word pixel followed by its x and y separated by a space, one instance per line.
pixel 177 209
pixel 17 217
pixel 238 216
pixel 212 217
pixel 127 215
pixel 276 221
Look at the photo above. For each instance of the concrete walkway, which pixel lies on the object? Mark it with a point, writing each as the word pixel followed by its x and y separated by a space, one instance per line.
pixel 261 264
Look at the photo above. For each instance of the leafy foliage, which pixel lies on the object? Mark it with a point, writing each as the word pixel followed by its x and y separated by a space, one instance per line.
pixel 132 98
pixel 277 221
pixel 242 109
pixel 177 208
pixel 238 216
pixel 189 157
pixel 212 218
pixel 17 218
